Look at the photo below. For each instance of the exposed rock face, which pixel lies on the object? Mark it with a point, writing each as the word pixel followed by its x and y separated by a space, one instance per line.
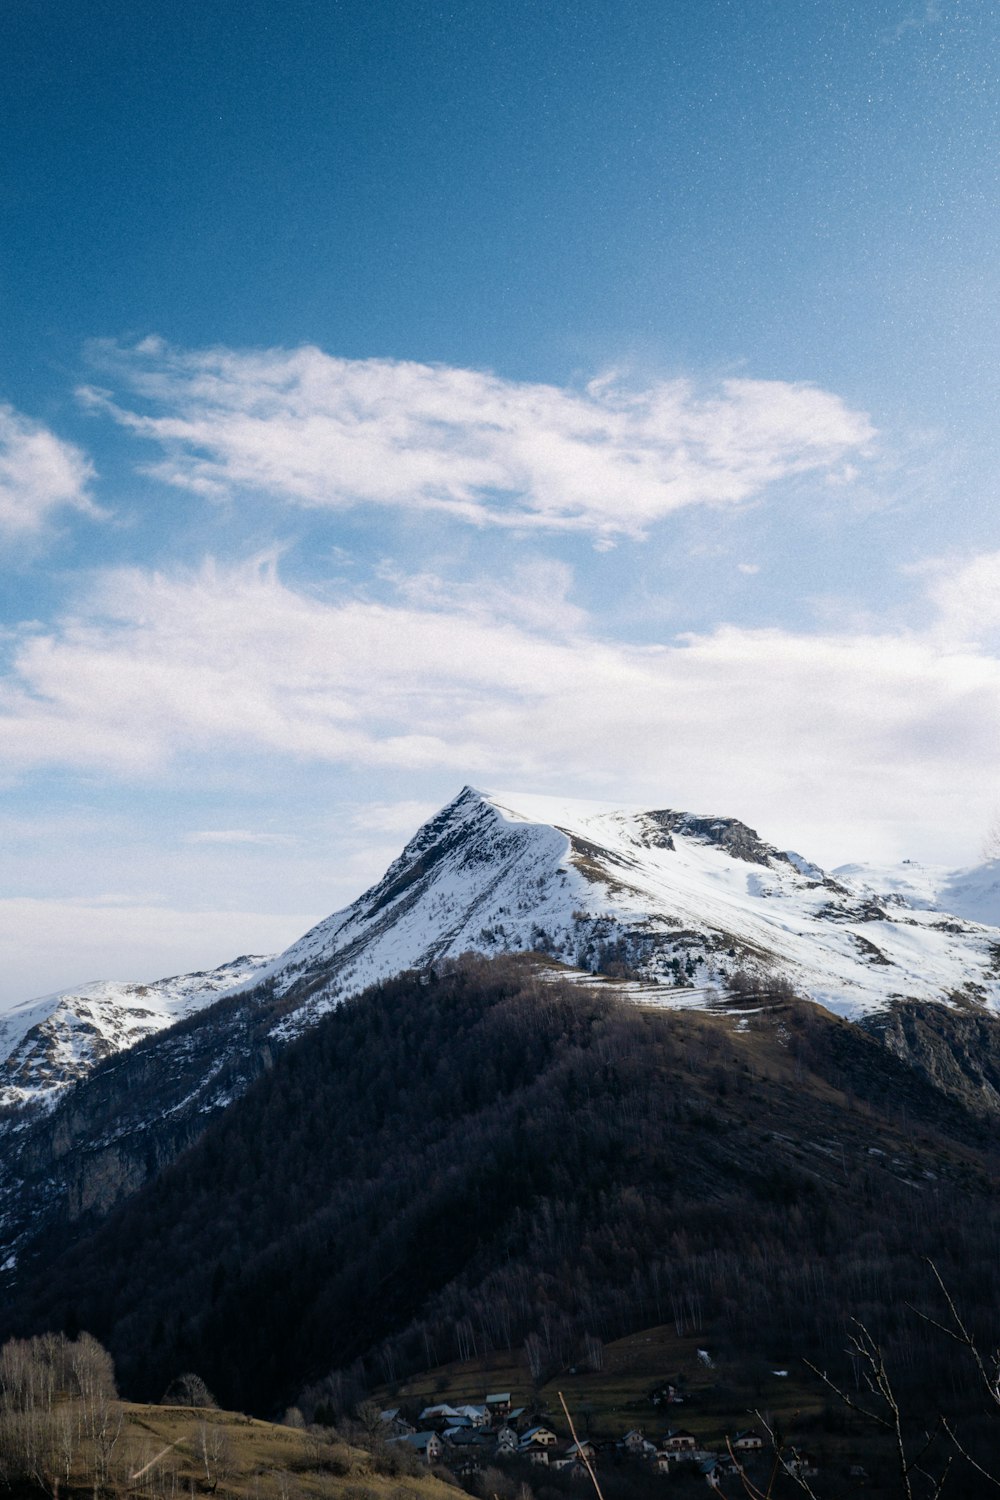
pixel 104 1177
pixel 955 1049
pixel 131 1117
pixel 729 834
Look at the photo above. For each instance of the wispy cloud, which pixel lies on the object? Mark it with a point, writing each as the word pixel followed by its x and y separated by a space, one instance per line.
pixel 965 593
pixel 851 728
pixel 610 459
pixel 239 837
pixel 535 594
pixel 930 16
pixel 39 474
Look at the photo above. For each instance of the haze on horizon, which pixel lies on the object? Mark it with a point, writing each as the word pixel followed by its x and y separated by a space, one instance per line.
pixel 594 400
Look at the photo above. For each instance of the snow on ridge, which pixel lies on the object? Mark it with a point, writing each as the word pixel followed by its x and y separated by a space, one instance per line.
pixel 804 866
pixel 48 1043
pixel 681 899
pixel 972 894
pixel 448 883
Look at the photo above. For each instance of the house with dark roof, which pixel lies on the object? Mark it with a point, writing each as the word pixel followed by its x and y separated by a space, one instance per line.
pixel 538 1437
pixel 467 1438
pixel 678 1439
pixel 428 1445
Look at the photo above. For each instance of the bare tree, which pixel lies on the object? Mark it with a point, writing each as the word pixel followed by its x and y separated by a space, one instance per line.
pixel 593 1352
pixel 58 1406
pixel 534 1352
pixel 215 1452
pixel 188 1390
pixel 924 1460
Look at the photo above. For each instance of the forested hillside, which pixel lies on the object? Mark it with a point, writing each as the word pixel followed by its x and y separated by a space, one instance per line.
pixel 480 1158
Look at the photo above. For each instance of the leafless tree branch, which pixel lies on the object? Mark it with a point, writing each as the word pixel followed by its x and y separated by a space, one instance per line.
pixel 963 1453
pixel 579 1449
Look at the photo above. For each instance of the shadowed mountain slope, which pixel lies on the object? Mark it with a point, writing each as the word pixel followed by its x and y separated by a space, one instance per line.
pixel 463 1160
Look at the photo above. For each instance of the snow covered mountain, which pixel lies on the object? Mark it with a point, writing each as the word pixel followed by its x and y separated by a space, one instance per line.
pixel 973 894
pixel 682 904
pixel 47 1044
pixel 673 909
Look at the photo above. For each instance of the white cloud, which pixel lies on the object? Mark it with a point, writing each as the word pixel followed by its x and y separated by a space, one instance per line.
pixel 39 473
pixel 312 430
pixel 965 595
pixel 535 594
pixel 837 734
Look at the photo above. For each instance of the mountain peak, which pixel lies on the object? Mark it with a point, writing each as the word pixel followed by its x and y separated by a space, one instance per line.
pixel 679 902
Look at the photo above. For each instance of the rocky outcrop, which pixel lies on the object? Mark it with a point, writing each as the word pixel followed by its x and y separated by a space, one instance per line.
pixel 129 1119
pixel 955 1048
pixel 738 841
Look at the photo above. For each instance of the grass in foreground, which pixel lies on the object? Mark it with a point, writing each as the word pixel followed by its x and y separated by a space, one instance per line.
pixel 163 1452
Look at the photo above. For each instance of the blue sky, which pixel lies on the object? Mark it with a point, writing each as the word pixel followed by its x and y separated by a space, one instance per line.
pixel 594 397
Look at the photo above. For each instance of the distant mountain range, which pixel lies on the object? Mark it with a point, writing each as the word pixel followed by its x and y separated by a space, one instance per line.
pixel 50 1043
pixel 675 904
